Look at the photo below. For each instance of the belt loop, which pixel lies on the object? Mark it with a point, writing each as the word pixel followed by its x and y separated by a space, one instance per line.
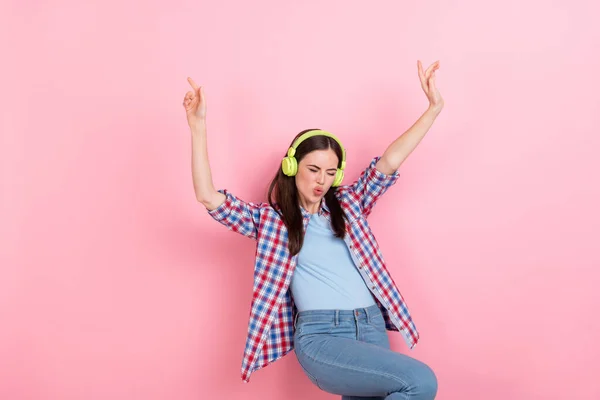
pixel 337 317
pixel 368 316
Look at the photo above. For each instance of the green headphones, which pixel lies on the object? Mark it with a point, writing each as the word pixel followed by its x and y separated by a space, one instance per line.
pixel 289 165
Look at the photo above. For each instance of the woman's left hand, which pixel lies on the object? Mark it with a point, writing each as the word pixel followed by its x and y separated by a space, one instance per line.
pixel 436 103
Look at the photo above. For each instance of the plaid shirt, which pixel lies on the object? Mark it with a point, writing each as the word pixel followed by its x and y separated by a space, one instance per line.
pixel 271 326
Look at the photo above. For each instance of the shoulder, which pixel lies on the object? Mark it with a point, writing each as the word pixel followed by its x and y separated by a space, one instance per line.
pixel 349 201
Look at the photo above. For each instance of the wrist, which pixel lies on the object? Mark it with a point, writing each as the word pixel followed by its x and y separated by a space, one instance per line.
pixel 433 111
pixel 198 126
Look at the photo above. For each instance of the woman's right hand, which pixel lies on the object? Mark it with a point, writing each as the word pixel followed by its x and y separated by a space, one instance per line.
pixel 194 104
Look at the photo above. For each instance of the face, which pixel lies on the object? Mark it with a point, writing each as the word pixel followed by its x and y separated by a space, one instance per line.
pixel 316 172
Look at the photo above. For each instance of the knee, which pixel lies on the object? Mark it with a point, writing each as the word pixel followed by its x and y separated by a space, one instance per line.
pixel 426 384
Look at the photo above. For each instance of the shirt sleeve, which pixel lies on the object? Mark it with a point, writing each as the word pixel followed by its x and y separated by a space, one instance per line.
pixel 237 215
pixel 370 186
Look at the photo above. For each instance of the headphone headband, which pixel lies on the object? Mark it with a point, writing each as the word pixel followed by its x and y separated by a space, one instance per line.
pixel 317 132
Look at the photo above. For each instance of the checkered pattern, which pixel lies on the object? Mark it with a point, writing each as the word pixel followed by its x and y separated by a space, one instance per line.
pixel 271 326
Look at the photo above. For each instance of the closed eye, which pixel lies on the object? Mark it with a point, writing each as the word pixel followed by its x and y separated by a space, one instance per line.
pixel 316 170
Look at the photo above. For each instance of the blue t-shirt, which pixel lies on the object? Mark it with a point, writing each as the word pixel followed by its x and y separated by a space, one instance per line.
pixel 326 277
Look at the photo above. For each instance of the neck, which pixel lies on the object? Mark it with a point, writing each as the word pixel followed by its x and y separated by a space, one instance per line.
pixel 312 208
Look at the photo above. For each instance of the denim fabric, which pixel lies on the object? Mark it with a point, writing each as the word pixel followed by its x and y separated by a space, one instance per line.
pixel 347 352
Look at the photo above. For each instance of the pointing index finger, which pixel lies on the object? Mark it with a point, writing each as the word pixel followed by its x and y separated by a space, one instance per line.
pixel 194 86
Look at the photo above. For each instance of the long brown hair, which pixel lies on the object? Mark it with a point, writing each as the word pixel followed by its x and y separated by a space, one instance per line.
pixel 283 194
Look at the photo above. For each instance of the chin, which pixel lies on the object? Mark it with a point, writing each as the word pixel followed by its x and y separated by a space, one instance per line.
pixel 312 198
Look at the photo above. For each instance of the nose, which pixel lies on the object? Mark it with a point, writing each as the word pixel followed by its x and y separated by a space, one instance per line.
pixel 321 178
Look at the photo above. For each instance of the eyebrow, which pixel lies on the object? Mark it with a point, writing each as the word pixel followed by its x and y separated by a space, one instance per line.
pixel 330 169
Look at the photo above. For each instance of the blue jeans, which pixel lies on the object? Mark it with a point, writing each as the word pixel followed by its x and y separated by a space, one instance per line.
pixel 347 352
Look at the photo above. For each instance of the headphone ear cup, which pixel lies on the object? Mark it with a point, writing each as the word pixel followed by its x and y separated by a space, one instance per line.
pixel 339 177
pixel 289 166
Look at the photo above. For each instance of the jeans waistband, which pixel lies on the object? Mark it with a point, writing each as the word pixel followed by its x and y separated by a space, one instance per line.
pixel 337 316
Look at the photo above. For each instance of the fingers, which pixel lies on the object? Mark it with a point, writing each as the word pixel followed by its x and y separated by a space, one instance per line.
pixel 192 99
pixel 189 96
pixel 188 99
pixel 193 84
pixel 428 77
pixel 422 76
pixel 432 68
pixel 431 82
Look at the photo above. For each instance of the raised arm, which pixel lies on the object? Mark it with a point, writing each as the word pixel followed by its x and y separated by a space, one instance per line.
pixel 382 172
pixel 195 108
pixel 401 148
pixel 234 213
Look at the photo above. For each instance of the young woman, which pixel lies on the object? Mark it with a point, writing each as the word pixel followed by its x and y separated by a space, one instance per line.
pixel 321 286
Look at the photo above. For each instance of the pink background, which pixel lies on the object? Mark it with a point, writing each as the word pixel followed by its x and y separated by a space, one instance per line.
pixel 116 284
